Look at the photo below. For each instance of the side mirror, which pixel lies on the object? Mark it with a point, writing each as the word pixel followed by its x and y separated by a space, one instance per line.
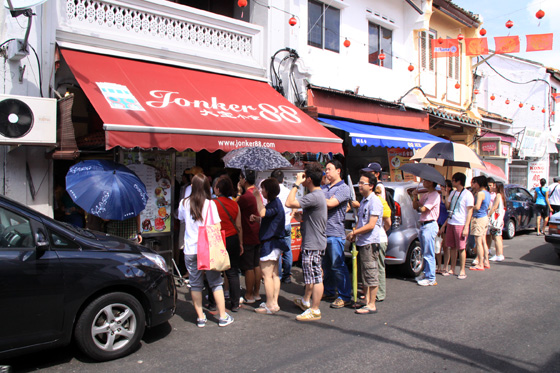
pixel 41 240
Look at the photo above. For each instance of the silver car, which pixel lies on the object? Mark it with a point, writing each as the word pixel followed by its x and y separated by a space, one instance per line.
pixel 404 246
pixel 553 235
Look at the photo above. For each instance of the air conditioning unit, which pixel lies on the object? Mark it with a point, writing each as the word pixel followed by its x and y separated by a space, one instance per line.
pixel 27 120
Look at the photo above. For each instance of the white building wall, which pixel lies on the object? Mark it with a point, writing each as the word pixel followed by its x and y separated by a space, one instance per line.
pixel 350 69
pixel 24 79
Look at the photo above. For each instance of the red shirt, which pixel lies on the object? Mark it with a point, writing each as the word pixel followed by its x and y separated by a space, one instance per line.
pixel 248 206
pixel 233 210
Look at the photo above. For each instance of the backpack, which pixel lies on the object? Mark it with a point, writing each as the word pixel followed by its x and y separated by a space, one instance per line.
pixel 394 206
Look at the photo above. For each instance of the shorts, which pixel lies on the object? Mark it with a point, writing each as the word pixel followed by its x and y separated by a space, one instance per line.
pixel 274 255
pixel 479 226
pixel 453 237
pixel 251 257
pixel 196 276
pixel 542 210
pixel 311 264
pixel 368 255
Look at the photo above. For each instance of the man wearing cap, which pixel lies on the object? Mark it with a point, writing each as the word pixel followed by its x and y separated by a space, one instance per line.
pixel 375 169
pixel 554 195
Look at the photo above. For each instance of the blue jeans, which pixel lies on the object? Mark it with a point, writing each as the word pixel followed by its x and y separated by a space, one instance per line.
pixel 286 259
pixel 428 235
pixel 335 270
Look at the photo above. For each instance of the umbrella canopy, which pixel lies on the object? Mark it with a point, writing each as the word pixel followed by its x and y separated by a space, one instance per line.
pixel 448 154
pixel 494 172
pixel 106 189
pixel 424 171
pixel 255 158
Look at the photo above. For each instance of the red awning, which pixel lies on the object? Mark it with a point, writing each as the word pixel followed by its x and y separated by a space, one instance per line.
pixel 494 171
pixel 150 105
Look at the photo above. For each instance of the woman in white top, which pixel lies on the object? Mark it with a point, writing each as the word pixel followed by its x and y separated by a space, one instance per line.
pixel 193 210
pixel 496 214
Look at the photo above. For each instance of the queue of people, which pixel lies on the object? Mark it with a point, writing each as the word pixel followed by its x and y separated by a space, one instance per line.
pixel 257 220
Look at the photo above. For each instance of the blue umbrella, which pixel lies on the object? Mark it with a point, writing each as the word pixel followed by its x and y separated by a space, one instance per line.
pixel 106 189
pixel 255 158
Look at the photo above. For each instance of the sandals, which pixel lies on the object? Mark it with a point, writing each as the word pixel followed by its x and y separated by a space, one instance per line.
pixel 461 277
pixel 448 273
pixel 365 310
pixel 264 310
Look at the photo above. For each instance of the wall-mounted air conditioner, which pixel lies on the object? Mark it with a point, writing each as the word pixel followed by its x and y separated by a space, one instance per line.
pixel 27 120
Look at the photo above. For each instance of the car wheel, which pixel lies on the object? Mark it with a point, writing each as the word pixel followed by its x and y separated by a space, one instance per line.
pixel 414 263
pixel 110 327
pixel 509 233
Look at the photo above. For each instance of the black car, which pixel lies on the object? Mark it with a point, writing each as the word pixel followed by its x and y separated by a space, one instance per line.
pixel 58 282
pixel 520 212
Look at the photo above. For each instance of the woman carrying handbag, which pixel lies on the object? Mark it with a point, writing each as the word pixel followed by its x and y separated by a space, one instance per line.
pixel 197 211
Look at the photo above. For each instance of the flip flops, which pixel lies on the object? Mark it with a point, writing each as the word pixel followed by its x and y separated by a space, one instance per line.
pixel 365 310
pixel 476 269
pixel 461 277
pixel 264 310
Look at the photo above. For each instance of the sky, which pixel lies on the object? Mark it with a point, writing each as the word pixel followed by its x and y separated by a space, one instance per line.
pixel 495 14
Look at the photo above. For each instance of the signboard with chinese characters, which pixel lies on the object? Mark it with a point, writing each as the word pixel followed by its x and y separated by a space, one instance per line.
pixel 537 171
pixel 533 143
pixel 398 157
pixel 489 146
pixel 154 169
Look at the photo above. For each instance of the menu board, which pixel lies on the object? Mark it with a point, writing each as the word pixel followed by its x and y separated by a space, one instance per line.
pixel 398 157
pixel 154 169
pixel 184 161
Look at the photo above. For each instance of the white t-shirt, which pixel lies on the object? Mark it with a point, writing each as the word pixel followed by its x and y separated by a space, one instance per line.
pixel 554 196
pixel 191 226
pixel 459 201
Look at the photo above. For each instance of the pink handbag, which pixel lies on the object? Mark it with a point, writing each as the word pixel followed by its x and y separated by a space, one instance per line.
pixel 211 249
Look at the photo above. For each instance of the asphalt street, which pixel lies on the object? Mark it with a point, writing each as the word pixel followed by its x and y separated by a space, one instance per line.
pixel 503 319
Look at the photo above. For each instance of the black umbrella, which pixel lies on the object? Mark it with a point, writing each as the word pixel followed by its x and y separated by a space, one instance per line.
pixel 424 171
pixel 448 154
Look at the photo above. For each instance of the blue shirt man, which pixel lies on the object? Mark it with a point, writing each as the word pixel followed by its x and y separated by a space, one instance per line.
pixel 337 277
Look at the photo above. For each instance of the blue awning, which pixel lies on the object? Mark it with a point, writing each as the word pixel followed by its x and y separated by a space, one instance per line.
pixel 370 135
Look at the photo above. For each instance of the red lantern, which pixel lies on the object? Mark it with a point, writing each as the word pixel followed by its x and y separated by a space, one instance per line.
pixel 540 14
pixel 509 24
pixel 507 101
pixel 532 108
pixel 381 56
pixel 410 67
pixel 440 40
pixel 521 104
pixel 292 21
pixel 346 43
pixel 242 3
pixel 553 113
pixel 460 36
pixel 492 97
pixel 543 110
pixel 457 85
pixel 476 91
pixel 482 32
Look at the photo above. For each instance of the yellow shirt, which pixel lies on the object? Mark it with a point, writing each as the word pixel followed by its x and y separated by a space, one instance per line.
pixel 386 208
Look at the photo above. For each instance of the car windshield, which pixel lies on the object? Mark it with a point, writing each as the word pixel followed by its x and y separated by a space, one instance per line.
pixel 80 231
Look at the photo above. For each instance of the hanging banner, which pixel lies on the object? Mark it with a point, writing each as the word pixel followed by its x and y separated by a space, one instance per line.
pixel 507 44
pixel 539 42
pixel 537 171
pixel 398 157
pixel 476 46
pixel 445 48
